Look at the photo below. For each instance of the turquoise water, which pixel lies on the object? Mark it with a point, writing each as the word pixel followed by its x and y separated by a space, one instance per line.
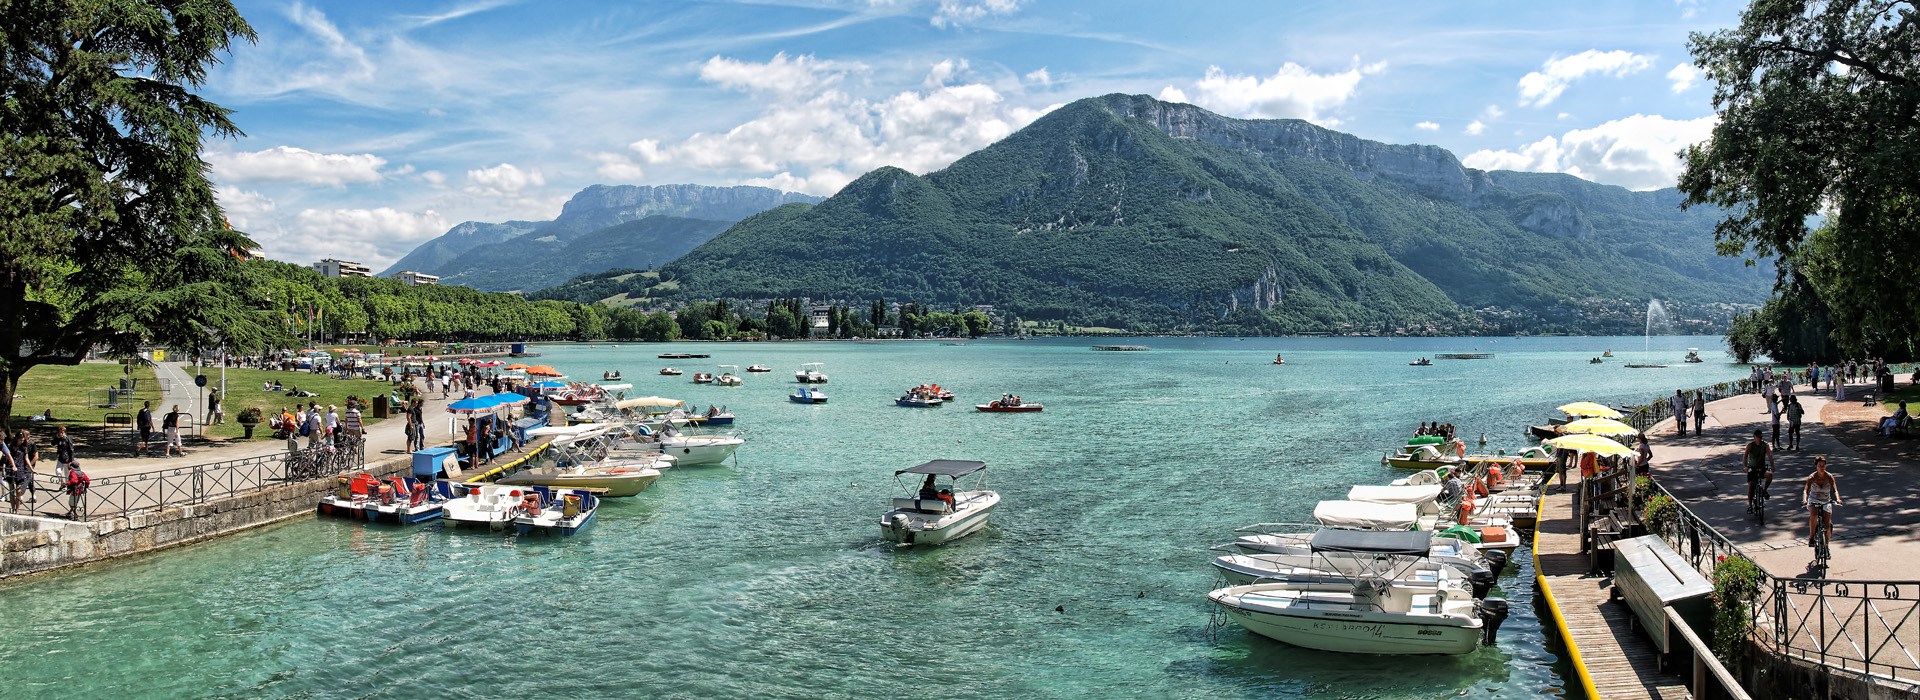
pixel 768 577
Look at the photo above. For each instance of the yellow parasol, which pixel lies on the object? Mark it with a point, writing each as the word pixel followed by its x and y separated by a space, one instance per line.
pixel 1590 443
pixel 1600 426
pixel 1589 409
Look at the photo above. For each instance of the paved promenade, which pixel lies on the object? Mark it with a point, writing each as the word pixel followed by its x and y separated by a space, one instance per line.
pixel 1876 528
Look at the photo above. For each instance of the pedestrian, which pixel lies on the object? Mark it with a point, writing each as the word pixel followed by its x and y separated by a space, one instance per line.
pixel 215 414
pixel 333 424
pixel 143 424
pixel 75 483
pixel 18 472
pixel 351 423
pixel 1773 415
pixel 316 426
pixel 413 435
pixel 1794 412
pixel 1679 404
pixel 62 453
pixel 171 425
pixel 1784 386
pixel 1813 376
pixel 1699 413
pixel 1840 388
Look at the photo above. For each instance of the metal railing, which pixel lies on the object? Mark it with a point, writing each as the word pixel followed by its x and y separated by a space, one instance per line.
pixel 115 496
pixel 1644 416
pixel 1863 626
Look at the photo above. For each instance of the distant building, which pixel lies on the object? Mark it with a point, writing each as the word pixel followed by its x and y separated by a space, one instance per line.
pixel 342 268
pixel 416 279
pixel 817 320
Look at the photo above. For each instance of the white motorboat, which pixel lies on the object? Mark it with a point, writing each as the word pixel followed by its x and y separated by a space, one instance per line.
pixel 556 511
pixel 810 373
pixel 1425 498
pixel 807 394
pixel 1338 555
pixel 933 515
pixel 1296 539
pixel 728 377
pixel 583 461
pixel 697 450
pixel 1361 515
pixel 1372 616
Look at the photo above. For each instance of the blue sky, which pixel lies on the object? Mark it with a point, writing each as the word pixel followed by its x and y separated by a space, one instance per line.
pixel 374 126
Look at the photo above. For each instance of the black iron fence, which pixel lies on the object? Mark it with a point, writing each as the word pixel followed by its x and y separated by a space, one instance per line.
pixel 114 496
pixel 1644 416
pixel 1863 626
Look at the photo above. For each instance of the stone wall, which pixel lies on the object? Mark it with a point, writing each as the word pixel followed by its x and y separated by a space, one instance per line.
pixel 31 544
pixel 1778 678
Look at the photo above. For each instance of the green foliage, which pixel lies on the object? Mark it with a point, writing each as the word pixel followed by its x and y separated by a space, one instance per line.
pixel 109 231
pixel 1661 513
pixel 1094 216
pixel 1817 118
pixel 1736 583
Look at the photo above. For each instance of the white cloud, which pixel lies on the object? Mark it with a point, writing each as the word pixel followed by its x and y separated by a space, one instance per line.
pixel 1293 92
pixel 958 12
pixel 373 236
pixel 818 142
pixel 1637 152
pixel 1684 76
pixel 1563 116
pixel 1040 77
pixel 1492 112
pixel 1427 126
pixel 1475 127
pixel 616 166
pixel 503 180
pixel 289 164
pixel 434 177
pixel 782 74
pixel 1540 88
pixel 244 208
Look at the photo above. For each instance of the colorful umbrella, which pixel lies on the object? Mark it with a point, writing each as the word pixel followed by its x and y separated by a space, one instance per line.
pixel 1589 409
pixel 515 366
pixel 509 399
pixel 1600 426
pixel 489 363
pixel 477 404
pixel 1590 443
pixel 544 371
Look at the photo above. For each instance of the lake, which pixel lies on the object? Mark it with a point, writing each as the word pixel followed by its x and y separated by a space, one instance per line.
pixel 768 577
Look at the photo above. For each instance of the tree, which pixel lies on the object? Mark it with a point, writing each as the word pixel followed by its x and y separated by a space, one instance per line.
pixel 1818 104
pixel 977 323
pixel 110 235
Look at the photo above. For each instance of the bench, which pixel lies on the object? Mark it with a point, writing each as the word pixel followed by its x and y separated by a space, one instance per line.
pixel 1651 578
pixel 118 418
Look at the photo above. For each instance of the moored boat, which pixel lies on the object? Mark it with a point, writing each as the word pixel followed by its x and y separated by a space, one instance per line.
pixel 810 373
pixel 396 499
pixel 913 401
pixel 759 368
pixel 807 394
pixel 727 377
pixel 487 505
pixel 702 378
pixel 1009 403
pixel 935 515
pixel 577 461
pixel 1367 615
pixel 671 372
pixel 556 511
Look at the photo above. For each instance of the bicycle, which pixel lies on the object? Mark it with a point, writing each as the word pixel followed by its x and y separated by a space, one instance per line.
pixel 1757 501
pixel 1822 549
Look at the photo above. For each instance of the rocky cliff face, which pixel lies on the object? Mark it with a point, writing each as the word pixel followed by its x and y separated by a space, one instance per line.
pixel 1430 170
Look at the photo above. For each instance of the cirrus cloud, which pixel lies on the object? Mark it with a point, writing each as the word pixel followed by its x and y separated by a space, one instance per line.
pixel 1639 152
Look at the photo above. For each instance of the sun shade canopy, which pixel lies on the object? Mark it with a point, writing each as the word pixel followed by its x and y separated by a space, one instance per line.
pixel 1409 542
pixel 945 467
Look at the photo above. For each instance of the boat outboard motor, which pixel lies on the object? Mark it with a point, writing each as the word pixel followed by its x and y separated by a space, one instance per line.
pixel 898 523
pixel 1493 611
pixel 1496 560
pixel 1482 580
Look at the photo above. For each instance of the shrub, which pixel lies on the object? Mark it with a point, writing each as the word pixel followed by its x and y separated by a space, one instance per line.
pixel 251 415
pixel 1736 583
pixel 1661 513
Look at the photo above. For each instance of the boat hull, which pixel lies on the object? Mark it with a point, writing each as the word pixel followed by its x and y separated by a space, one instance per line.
pixel 697 454
pixel 562 527
pixel 1326 632
pixel 617 485
pixel 988 408
pixel 955 526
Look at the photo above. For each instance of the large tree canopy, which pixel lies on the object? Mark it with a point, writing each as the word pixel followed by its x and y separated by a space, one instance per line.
pixel 109 231
pixel 1817 105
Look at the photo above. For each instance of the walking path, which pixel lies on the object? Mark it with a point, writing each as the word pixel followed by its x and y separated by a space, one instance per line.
pixel 1876 528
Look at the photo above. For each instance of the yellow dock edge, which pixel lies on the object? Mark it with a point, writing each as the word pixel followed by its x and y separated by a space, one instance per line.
pixel 1559 620
pixel 483 476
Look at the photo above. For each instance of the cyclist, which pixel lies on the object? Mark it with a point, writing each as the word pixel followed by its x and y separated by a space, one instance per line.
pixel 1821 493
pixel 1759 462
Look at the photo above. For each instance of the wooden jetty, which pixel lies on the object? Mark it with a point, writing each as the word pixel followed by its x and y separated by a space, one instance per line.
pixel 1610 657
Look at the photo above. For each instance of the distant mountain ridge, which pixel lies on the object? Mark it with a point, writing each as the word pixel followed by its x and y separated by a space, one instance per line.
pixel 600 228
pixel 1125 211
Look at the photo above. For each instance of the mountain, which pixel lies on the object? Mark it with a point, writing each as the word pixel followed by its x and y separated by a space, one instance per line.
pixel 601 228
pixel 1124 211
pixel 440 252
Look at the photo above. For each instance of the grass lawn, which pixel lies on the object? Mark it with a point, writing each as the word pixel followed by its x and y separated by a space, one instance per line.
pixel 73 392
pixel 243 391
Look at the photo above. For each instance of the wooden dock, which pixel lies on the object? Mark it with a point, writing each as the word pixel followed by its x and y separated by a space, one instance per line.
pixel 1611 658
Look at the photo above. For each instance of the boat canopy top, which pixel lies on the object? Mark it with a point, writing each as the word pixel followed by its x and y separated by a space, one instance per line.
pixel 616 387
pixel 1367 516
pixel 945 467
pixel 649 402
pixel 1409 543
pixel 1395 494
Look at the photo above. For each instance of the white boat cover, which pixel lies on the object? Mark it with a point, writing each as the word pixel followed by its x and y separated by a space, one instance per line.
pixel 650 402
pixel 616 387
pixel 1367 516
pixel 1416 494
pixel 558 430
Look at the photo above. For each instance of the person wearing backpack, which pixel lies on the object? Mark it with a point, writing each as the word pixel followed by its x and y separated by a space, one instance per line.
pixel 75 485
